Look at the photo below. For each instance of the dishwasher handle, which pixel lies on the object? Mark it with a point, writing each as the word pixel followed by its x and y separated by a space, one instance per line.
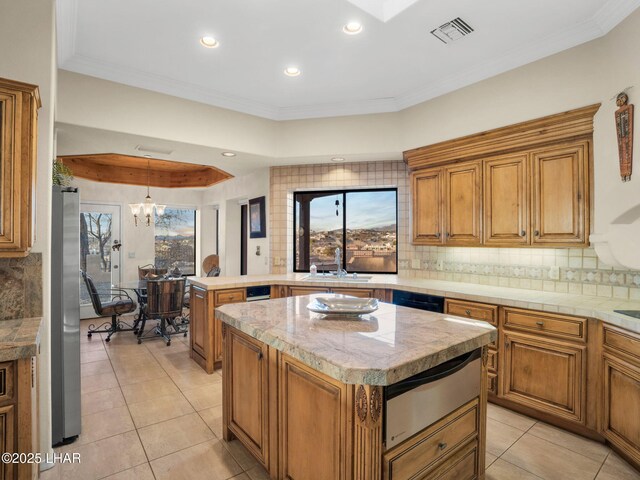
pixel 431 375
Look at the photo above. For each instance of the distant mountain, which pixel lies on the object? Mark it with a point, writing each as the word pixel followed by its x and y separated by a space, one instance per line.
pixel 338 231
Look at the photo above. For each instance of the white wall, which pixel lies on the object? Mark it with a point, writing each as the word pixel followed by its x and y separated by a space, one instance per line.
pixel 27 36
pixel 226 198
pixel 139 240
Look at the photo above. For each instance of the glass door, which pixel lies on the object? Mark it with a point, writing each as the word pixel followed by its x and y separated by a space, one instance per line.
pixel 99 251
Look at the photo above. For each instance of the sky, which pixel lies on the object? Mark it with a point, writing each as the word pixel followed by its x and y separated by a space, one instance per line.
pixel 364 210
pixel 183 224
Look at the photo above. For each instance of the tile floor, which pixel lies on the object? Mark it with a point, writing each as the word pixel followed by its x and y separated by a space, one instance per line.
pixel 149 412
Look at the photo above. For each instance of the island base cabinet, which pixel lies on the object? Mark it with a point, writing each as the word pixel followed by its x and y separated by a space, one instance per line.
pixel 201 328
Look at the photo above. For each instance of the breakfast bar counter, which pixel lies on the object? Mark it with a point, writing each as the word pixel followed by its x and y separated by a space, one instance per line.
pixel 307 393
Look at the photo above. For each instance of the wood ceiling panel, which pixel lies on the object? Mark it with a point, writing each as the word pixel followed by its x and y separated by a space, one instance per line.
pixel 131 170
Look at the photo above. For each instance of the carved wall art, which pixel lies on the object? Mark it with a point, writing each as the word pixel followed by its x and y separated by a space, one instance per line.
pixel 624 129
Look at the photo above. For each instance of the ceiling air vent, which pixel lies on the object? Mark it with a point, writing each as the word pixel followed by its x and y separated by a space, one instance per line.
pixel 452 31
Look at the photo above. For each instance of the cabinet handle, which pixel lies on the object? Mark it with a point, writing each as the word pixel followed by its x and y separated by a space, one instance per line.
pixel 260 355
pixel 448 234
pixel 507 344
pixel 468 312
pixel 537 233
pixel 523 233
pixel 438 235
pixel 540 324
pixel 442 445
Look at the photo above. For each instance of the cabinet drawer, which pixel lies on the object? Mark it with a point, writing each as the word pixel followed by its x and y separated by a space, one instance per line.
pixel 550 324
pixel 622 341
pixel 6 382
pixel 296 291
pixel 414 457
pixel 492 361
pixel 461 465
pixel 224 297
pixel 354 292
pixel 477 311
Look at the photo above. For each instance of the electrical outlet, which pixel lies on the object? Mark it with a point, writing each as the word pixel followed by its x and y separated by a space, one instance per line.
pixel 415 263
pixel 440 265
pixel 554 273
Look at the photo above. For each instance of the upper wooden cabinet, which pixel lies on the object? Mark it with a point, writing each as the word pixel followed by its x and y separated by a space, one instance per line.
pixel 19 103
pixel 560 187
pixel 528 184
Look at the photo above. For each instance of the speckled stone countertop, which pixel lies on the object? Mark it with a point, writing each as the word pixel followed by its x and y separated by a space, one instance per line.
pixel 381 348
pixel 582 305
pixel 19 338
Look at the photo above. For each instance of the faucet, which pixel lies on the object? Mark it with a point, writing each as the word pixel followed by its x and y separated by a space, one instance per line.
pixel 339 271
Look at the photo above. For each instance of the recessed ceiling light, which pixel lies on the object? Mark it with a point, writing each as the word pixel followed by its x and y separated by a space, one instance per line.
pixel 228 154
pixel 292 71
pixel 209 42
pixel 352 28
pixel 337 159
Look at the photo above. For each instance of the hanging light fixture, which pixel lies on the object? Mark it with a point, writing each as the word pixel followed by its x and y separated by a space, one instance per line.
pixel 147 207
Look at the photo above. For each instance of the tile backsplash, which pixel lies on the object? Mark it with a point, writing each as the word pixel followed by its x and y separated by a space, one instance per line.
pixel 564 270
pixel 21 287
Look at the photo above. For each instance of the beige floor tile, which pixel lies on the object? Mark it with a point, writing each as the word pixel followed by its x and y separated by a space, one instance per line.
pixel 588 448
pixel 93 346
pixel 51 474
pixel 97 401
pixel 176 434
pixel 139 392
pixel 513 419
pixel 615 468
pixel 93 356
pixel 213 417
pixel 550 461
pixel 489 459
pixel 105 457
pixel 141 472
pixel 194 377
pixel 500 437
pixel 139 373
pixel 95 368
pixel 258 473
pixel 126 350
pixel 159 409
pixel 242 476
pixel 102 381
pixel 206 396
pixel 207 461
pixel 105 424
pixel 501 470
pixel 241 454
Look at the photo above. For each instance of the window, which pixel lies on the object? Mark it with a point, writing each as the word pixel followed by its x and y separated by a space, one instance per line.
pixel 362 223
pixel 175 240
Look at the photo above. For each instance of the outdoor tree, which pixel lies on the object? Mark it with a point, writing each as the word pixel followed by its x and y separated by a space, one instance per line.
pixel 98 229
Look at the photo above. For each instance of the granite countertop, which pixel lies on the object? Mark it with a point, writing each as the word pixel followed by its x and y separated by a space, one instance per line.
pixel 19 338
pixel 582 305
pixel 381 348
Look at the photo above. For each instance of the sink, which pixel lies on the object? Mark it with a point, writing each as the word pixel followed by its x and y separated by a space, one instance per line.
pixel 334 278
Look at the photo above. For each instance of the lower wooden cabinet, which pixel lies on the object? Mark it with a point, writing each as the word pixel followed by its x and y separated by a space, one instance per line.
pixel 201 328
pixel 296 291
pixel 247 396
pixel 7 439
pixel 545 374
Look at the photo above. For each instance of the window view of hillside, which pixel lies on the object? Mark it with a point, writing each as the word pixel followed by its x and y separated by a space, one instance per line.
pixel 175 240
pixel 363 224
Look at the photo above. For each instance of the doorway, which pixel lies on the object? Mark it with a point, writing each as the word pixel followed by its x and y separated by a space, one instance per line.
pixel 243 239
pixel 99 233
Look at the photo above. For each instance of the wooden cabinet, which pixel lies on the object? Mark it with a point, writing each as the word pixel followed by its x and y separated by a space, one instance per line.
pixel 506 206
pixel 314 428
pixel 428 214
pixel 620 417
pixel 19 416
pixel 247 395
pixel 224 297
pixel 544 374
pixel 560 200
pixel 19 104
pixel 201 328
pixel 296 291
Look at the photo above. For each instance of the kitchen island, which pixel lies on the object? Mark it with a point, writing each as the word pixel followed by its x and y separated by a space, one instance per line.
pixel 307 394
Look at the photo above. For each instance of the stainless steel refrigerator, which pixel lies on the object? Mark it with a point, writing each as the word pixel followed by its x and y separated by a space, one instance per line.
pixel 65 315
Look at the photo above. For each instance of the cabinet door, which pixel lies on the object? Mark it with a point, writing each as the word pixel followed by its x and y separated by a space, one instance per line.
pixel 506 213
pixel 248 392
pixel 296 291
pixel 427 207
pixel 463 204
pixel 548 375
pixel 621 405
pixel 560 195
pixel 314 431
pixel 7 439
pixel 198 321
pixel 354 292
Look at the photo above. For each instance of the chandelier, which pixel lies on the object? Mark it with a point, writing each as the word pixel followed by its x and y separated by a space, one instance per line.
pixel 147 207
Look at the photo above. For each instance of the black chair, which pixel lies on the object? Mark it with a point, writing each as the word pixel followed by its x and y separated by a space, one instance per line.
pixel 165 300
pixel 119 303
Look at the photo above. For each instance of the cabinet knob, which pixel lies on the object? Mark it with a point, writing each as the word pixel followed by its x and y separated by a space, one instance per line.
pixel 448 234
pixel 537 233
pixel 523 233
pixel 442 445
pixel 260 355
pixel 468 312
pixel 540 324
pixel 507 344
pixel 438 235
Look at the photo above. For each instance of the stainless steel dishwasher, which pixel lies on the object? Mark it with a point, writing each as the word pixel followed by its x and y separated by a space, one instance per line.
pixel 419 401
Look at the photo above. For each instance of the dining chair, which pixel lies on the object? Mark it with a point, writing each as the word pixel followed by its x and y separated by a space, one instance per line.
pixel 165 300
pixel 120 303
